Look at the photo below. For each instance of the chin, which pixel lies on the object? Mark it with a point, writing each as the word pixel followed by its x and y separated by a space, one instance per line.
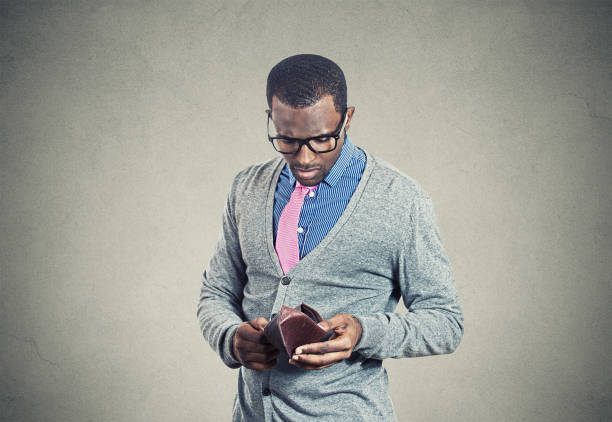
pixel 310 182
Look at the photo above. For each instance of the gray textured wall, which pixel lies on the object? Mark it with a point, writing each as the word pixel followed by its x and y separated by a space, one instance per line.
pixel 123 124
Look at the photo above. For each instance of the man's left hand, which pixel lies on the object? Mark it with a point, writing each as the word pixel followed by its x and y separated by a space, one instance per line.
pixel 347 332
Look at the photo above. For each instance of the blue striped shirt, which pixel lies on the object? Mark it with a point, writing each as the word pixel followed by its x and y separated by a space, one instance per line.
pixel 321 211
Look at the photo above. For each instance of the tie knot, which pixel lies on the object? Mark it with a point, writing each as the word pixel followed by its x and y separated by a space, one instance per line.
pixel 304 189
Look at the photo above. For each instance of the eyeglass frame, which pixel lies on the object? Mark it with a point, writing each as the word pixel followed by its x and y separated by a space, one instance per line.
pixel 335 134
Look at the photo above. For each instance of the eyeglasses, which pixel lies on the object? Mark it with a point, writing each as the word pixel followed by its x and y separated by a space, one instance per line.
pixel 317 144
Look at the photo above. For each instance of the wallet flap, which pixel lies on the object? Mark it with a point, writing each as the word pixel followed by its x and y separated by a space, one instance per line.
pixel 292 328
pixel 314 315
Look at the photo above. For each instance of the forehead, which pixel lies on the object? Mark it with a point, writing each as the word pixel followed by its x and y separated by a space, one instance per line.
pixel 320 118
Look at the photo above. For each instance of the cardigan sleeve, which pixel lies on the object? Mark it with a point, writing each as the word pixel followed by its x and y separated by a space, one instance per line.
pixel 434 322
pixel 219 309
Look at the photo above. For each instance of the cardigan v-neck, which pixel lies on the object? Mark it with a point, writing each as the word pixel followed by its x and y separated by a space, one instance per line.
pixel 385 246
pixel 330 235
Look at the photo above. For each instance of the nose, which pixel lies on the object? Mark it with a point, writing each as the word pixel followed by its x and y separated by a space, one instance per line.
pixel 305 157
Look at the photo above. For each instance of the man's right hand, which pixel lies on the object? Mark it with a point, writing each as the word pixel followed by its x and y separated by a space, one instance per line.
pixel 252 348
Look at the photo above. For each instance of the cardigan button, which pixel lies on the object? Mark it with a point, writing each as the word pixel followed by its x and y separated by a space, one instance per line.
pixel 285 280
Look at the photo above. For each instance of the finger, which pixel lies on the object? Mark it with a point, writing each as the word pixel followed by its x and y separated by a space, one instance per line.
pixel 311 367
pixel 248 333
pixel 321 360
pixel 259 366
pixel 258 357
pixel 337 344
pixel 254 347
pixel 272 356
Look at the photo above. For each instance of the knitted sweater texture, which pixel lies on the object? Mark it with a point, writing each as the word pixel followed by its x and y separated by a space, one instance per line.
pixel 385 246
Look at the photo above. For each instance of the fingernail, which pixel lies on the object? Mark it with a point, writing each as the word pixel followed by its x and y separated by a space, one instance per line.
pixel 298 351
pixel 295 357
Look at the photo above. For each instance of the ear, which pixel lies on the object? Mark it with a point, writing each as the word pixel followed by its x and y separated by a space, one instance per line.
pixel 349 116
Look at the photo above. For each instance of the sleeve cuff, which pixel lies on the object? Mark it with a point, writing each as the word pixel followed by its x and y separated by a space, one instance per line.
pixel 228 349
pixel 372 335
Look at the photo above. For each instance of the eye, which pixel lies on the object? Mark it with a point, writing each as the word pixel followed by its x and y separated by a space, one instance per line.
pixel 324 140
pixel 286 141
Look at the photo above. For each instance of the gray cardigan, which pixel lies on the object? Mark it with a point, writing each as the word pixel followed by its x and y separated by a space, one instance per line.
pixel 385 245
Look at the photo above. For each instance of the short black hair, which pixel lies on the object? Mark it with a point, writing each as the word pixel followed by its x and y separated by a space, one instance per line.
pixel 302 80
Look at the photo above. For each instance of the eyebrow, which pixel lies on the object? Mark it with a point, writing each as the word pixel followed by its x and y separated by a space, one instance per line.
pixel 333 132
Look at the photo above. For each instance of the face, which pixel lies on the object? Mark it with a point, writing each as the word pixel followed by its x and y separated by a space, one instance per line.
pixel 321 118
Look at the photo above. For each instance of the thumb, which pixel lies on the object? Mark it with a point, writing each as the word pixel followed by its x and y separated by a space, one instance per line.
pixel 259 323
pixel 334 322
pixel 326 325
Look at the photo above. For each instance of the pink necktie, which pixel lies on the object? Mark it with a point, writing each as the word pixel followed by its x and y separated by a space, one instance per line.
pixel 286 236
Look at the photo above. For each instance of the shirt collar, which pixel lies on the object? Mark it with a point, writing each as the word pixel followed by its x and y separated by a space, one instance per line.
pixel 334 175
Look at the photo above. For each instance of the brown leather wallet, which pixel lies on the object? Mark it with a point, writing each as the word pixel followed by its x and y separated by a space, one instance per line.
pixel 291 328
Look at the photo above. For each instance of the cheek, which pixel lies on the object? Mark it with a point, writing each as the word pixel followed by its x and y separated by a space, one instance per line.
pixel 289 159
pixel 329 163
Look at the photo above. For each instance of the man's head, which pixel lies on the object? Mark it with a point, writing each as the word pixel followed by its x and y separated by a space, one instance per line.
pixel 307 98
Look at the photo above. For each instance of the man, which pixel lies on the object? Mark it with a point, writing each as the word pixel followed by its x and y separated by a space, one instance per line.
pixel 334 227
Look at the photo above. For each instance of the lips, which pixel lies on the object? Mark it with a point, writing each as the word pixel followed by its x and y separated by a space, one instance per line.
pixel 306 174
